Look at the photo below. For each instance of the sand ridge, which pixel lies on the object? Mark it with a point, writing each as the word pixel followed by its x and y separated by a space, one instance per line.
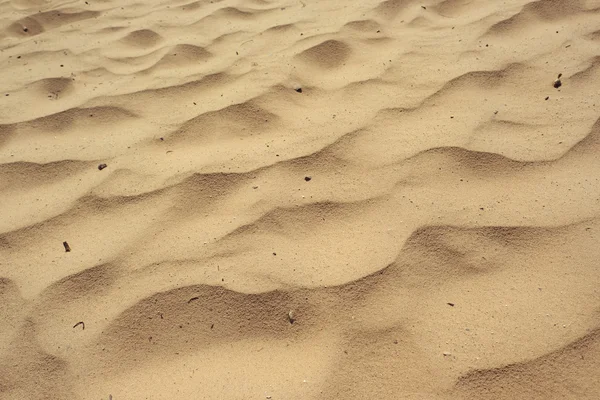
pixel 400 175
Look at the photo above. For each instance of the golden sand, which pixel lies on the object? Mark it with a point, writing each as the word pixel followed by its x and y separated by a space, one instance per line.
pixel 301 199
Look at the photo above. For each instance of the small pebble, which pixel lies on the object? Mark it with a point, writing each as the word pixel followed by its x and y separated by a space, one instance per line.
pixel 299 90
pixel 307 178
pixel 102 166
pixel 557 82
pixel 291 317
pixel 447 354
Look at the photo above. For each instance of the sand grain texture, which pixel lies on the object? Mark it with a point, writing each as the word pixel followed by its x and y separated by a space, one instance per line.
pixel 401 176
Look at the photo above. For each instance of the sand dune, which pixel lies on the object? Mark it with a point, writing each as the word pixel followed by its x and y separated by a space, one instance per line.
pixel 301 200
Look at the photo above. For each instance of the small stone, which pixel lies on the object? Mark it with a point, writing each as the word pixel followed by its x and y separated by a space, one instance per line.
pixel 557 82
pixel 395 341
pixel 291 316
pixel 67 247
pixel 299 90
pixel 446 354
pixel 450 304
pixel 547 97
pixel 307 178
pixel 25 29
pixel 102 166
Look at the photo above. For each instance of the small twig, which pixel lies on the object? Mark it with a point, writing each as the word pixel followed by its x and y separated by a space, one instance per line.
pixel 79 323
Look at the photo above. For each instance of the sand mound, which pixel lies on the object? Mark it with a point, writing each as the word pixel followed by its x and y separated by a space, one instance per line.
pixel 327 55
pixel 313 200
pixel 142 38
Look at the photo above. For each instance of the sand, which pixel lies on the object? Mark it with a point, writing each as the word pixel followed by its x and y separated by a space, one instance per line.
pixel 301 199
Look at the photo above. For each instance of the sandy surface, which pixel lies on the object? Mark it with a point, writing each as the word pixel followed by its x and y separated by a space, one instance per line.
pixel 302 199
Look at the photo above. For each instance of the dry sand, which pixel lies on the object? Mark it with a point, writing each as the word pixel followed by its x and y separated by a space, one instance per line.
pixel 446 245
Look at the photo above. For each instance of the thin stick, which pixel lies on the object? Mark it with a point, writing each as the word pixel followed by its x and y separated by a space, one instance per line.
pixel 79 323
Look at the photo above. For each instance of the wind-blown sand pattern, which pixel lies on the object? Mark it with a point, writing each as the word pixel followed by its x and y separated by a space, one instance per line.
pixel 427 206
